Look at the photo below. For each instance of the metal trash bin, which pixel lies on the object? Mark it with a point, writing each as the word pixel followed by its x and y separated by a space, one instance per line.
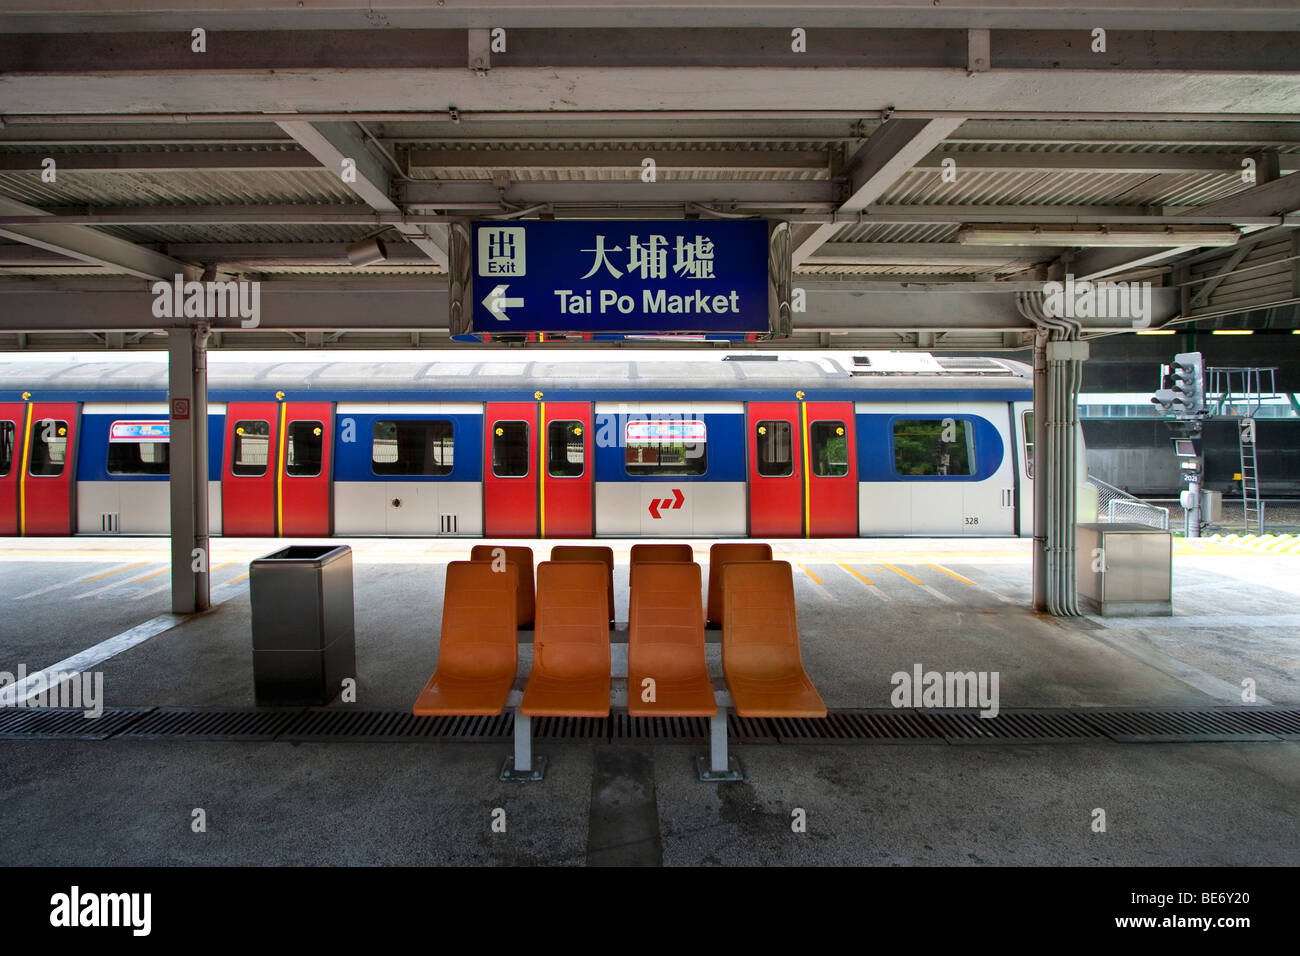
pixel 1125 570
pixel 303 627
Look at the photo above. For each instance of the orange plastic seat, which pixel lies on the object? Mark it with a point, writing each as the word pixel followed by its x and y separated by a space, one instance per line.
pixel 477 653
pixel 662 552
pixel 666 642
pixel 589 552
pixel 571 656
pixel 760 643
pixel 523 557
pixel 719 556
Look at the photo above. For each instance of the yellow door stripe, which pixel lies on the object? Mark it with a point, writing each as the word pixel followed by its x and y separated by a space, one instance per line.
pixel 115 571
pixel 861 577
pixel 951 574
pixel 807 478
pixel 903 573
pixel 279 476
pixel 22 471
pixel 541 468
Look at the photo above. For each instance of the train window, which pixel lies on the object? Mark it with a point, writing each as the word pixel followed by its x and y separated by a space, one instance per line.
pixel 934 446
pixel 252 449
pixel 566 452
pixel 49 448
pixel 412 447
pixel 774 441
pixel 666 447
pixel 304 449
pixel 510 449
pixel 1028 425
pixel 7 431
pixel 138 458
pixel 829 449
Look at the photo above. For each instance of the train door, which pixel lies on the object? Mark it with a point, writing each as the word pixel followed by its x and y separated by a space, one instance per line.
pixel 248 476
pixel 566 481
pixel 510 484
pixel 1022 437
pixel 306 442
pixel 775 470
pixel 831 464
pixel 47 459
pixel 11 428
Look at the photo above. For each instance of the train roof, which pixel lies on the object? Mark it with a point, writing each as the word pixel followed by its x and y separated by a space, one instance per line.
pixel 856 372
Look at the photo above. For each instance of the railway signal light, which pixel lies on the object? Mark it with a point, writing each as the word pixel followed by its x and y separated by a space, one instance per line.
pixel 1182 386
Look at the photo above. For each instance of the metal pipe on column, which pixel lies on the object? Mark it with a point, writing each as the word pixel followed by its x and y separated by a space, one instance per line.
pixel 1040 471
pixel 187 404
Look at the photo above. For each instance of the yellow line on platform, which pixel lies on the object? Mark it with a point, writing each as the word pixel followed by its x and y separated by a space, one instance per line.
pixel 954 574
pixel 816 580
pixel 115 571
pixel 148 576
pixel 857 575
pixel 903 573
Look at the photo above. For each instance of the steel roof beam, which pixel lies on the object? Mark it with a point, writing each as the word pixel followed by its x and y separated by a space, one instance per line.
pixel 89 245
pixel 341 149
pixel 885 158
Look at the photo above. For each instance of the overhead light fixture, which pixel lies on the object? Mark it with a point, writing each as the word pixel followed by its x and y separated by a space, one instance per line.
pixel 1020 234
pixel 367 252
pixel 1156 332
pixel 1232 332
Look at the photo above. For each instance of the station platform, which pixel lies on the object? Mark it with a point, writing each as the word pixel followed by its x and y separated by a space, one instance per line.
pixel 868 609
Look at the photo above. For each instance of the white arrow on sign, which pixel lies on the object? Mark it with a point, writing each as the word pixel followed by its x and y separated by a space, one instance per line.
pixel 497 303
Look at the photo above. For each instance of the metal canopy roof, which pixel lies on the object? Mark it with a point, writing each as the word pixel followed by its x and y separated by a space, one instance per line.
pixel 899 123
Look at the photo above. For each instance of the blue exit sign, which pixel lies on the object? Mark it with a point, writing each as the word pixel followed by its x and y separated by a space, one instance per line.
pixel 616 276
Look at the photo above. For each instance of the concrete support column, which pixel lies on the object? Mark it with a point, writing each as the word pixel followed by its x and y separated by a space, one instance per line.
pixel 1058 468
pixel 187 401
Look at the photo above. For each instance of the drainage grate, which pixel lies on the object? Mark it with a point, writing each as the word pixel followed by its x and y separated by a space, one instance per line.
pixel 686 730
pixel 214 723
pixel 378 725
pixel 61 723
pixel 571 728
pixel 886 726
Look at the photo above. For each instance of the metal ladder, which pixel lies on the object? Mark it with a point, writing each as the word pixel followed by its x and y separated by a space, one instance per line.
pixel 1239 392
pixel 1252 510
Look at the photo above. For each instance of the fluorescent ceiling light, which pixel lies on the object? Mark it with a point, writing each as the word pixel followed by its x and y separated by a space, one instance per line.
pixel 1013 234
pixel 1157 332
pixel 1232 332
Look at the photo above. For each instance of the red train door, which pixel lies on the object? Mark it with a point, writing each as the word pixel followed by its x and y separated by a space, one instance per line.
pixel 510 470
pixel 831 464
pixel 249 472
pixel 46 503
pixel 12 418
pixel 306 439
pixel 775 470
pixel 566 483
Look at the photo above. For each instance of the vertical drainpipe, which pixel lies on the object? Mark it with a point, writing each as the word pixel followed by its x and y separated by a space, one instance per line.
pixel 1040 471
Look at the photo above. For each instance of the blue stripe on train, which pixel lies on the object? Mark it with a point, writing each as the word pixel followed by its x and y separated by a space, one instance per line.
pixel 724 439
pixel 876 447
pixel 353 459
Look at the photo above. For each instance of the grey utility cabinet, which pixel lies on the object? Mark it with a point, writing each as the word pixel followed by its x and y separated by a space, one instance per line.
pixel 303 629
pixel 1125 570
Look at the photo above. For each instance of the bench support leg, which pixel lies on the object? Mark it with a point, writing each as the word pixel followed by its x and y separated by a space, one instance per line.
pixel 718 767
pixel 519 767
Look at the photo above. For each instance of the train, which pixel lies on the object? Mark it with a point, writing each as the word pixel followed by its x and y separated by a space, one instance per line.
pixel 861 445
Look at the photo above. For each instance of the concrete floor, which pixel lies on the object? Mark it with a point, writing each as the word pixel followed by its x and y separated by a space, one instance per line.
pixel 866 609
